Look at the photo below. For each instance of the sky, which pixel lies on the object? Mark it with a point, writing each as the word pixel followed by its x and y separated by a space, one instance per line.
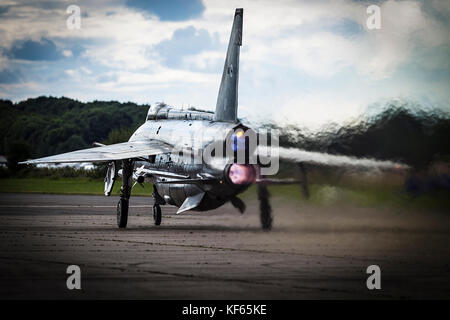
pixel 302 62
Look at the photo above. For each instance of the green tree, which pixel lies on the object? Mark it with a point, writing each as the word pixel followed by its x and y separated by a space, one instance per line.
pixel 16 152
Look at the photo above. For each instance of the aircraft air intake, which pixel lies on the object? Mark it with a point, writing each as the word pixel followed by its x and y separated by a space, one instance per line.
pixel 227 100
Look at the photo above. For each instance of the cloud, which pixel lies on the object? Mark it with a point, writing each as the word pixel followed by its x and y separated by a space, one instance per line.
pixel 43 50
pixel 169 10
pixel 3 10
pixel 67 53
pixel 78 72
pixel 184 43
pixel 305 61
pixel 9 77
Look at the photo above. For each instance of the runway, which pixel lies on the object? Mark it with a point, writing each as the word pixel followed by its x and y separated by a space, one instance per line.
pixel 311 253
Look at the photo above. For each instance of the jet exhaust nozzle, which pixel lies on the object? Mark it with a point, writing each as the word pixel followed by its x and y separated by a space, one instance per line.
pixel 241 174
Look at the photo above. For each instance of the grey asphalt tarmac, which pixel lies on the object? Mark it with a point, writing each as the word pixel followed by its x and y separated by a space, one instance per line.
pixel 311 253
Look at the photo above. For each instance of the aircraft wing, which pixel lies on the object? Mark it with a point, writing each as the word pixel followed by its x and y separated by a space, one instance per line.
pixel 299 155
pixel 118 151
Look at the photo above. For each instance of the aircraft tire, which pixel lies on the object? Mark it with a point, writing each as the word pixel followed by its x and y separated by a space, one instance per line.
pixel 157 216
pixel 122 213
pixel 266 220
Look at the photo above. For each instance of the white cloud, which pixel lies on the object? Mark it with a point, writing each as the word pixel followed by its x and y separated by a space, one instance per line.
pixel 86 70
pixel 67 53
pixel 299 36
pixel 71 72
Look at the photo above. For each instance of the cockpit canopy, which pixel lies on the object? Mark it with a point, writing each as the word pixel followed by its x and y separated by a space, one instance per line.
pixel 163 111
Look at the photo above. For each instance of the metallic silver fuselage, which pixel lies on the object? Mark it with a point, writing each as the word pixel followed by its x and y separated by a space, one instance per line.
pixel 190 136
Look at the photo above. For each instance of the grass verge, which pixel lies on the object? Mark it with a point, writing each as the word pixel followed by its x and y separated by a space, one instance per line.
pixel 321 194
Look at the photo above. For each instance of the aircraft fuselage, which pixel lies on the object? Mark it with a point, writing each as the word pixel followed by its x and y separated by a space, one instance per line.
pixel 190 138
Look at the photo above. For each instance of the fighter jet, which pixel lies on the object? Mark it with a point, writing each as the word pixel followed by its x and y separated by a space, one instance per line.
pixel 199 160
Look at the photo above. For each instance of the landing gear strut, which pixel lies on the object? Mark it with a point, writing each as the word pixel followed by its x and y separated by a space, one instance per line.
pixel 157 214
pixel 264 206
pixel 125 192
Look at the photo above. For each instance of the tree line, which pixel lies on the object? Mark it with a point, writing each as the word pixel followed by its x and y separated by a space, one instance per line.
pixel 47 125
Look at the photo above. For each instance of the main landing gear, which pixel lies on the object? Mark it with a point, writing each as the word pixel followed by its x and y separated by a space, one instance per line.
pixel 264 206
pixel 125 192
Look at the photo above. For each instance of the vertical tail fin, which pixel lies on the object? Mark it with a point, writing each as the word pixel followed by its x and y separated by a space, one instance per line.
pixel 227 100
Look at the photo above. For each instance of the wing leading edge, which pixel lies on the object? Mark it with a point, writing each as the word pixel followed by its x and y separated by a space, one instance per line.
pixel 118 151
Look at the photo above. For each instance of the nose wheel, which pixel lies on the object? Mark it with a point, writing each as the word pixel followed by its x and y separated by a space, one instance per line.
pixel 157 216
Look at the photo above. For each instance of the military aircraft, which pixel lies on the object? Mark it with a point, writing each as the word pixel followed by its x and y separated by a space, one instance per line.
pixel 165 150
